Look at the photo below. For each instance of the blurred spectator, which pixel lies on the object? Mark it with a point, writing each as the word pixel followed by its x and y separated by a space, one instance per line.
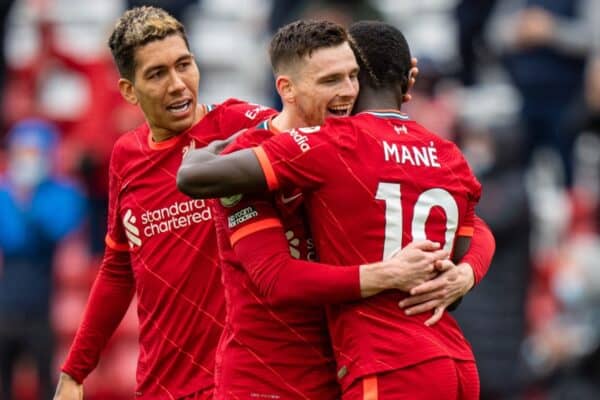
pixel 5 7
pixel 564 350
pixel 77 92
pixel 471 17
pixel 582 125
pixel 544 44
pixel 492 316
pixel 37 211
pixel 176 8
pixel 342 12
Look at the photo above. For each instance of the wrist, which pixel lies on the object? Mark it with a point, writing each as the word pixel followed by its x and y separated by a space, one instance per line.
pixel 372 279
pixel 65 377
pixel 468 270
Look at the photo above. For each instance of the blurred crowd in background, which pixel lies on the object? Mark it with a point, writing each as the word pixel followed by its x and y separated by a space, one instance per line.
pixel 516 83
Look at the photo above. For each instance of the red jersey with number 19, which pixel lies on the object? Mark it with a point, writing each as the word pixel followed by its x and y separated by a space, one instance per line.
pixel 172 247
pixel 375 182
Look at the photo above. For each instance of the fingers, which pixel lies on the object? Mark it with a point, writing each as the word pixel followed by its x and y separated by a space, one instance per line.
pixel 443 265
pixel 413 62
pixel 441 255
pixel 422 307
pixel 429 287
pixel 421 298
pixel 426 245
pixel 437 315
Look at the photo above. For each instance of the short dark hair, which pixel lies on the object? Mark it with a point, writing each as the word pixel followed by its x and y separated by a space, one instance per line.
pixel 300 38
pixel 382 54
pixel 136 28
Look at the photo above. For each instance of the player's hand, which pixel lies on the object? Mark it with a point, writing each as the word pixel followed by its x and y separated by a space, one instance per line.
pixel 68 388
pixel 405 269
pixel 439 293
pixel 414 71
pixel 415 264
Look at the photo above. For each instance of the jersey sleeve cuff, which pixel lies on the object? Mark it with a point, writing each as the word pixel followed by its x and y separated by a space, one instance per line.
pixel 267 168
pixel 110 242
pixel 253 228
pixel 466 231
pixel 76 377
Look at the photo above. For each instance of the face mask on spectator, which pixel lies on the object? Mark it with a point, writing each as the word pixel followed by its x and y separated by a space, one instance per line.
pixel 27 167
pixel 31 145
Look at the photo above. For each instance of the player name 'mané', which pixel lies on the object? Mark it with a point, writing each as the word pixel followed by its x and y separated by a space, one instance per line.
pixel 422 156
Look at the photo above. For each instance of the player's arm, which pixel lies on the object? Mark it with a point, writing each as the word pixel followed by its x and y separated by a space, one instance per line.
pixel 109 297
pixel 282 279
pixel 203 174
pixel 251 226
pixel 480 250
pixel 292 159
pixel 108 302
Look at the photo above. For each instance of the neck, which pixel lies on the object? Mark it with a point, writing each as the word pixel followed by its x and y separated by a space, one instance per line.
pixel 377 99
pixel 286 120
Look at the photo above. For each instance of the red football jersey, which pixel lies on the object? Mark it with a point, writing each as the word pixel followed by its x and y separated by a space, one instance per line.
pixel 375 182
pixel 173 252
pixel 276 351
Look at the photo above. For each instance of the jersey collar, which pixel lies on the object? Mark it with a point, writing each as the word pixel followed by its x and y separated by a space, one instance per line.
pixel 267 125
pixel 388 114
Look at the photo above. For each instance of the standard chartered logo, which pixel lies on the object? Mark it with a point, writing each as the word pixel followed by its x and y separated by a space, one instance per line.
pixel 166 219
pixel 132 232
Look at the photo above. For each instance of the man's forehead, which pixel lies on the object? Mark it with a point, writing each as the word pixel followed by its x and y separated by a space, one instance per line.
pixel 162 51
pixel 330 58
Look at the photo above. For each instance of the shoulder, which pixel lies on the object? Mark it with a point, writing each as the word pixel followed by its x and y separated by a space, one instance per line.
pixel 451 155
pixel 233 107
pixel 252 137
pixel 128 144
pixel 132 139
pixel 341 131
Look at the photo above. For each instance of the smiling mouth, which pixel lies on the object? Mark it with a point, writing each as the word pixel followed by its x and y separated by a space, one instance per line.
pixel 180 107
pixel 340 111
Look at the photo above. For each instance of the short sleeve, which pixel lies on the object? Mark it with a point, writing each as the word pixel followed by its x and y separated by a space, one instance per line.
pixel 299 158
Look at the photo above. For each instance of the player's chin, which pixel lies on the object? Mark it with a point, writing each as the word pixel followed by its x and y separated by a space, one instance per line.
pixel 181 124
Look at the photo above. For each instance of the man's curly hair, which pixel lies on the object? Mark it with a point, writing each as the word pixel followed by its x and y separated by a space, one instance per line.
pixel 137 27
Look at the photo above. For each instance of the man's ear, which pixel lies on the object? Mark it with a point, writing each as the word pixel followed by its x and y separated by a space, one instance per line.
pixel 285 88
pixel 127 91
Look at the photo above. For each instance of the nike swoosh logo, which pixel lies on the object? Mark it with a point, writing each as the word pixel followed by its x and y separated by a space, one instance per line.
pixel 286 200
